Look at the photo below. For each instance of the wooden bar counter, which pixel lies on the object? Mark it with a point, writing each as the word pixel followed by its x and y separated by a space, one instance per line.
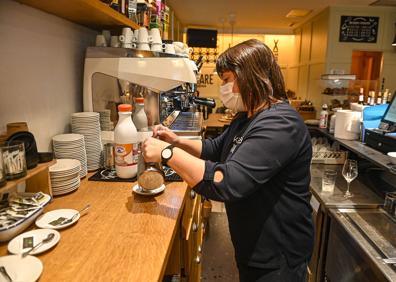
pixel 123 236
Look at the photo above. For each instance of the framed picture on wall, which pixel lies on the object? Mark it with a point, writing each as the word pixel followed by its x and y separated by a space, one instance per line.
pixel 359 29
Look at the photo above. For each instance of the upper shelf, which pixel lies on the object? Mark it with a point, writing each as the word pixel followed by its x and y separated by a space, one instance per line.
pixel 92 13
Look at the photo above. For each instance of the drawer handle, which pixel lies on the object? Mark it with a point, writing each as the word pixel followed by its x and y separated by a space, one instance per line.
pixel 192 194
pixel 199 249
pixel 194 227
pixel 198 259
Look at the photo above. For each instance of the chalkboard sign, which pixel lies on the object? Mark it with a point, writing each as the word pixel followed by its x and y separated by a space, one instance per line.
pixel 359 29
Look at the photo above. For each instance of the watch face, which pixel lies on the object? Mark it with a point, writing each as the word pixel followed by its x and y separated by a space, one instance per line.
pixel 167 153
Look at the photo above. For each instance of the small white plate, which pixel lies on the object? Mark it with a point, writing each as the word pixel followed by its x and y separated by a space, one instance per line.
pixel 24 269
pixel 138 190
pixel 44 220
pixel 15 246
pixel 65 165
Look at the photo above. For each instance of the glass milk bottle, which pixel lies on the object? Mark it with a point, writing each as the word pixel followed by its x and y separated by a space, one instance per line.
pixel 126 143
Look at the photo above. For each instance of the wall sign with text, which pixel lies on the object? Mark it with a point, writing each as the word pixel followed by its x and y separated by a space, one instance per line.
pixel 359 29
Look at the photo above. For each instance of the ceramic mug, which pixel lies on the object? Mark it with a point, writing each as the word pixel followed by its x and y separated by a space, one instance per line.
pixel 100 41
pixel 143 46
pixel 179 44
pixel 157 47
pixel 114 42
pixel 155 36
pixel 128 45
pixel 127 31
pixel 143 36
pixel 107 35
pixel 170 49
pixel 125 39
pixel 135 35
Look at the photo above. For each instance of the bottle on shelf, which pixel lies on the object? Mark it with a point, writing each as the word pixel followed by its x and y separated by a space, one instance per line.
pixel 372 98
pixel 361 96
pixel 385 97
pixel 382 84
pixel 368 98
pixel 324 116
pixel 390 97
pixel 379 98
pixel 132 9
pixel 139 116
pixel 126 143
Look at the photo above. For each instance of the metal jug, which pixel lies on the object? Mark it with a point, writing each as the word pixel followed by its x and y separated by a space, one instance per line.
pixel 150 175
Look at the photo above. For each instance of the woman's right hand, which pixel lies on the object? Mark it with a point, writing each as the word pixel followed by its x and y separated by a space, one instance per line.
pixel 165 134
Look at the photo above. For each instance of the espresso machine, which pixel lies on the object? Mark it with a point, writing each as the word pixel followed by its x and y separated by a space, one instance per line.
pixel 167 82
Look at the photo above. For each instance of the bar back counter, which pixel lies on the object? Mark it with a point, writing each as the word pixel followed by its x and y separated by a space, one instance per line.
pixel 354 235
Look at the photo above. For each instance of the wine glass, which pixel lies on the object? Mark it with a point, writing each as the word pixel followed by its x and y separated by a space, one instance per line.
pixel 350 172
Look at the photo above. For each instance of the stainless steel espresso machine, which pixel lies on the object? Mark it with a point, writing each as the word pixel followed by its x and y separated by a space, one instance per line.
pixel 167 82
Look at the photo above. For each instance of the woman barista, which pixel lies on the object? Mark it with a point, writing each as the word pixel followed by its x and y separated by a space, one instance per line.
pixel 259 167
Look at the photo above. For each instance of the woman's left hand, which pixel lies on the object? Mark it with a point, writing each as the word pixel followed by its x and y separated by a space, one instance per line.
pixel 152 149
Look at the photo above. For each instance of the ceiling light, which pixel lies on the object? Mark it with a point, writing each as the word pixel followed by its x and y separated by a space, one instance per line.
pixel 298 13
pixel 384 3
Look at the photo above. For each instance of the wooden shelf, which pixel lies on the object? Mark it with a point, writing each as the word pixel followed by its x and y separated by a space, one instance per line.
pixel 91 13
pixel 30 173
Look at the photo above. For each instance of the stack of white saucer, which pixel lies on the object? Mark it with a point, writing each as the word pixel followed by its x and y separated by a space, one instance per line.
pixel 87 124
pixel 65 176
pixel 71 146
pixel 105 122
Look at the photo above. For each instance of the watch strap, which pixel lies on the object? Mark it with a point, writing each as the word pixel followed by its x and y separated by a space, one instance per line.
pixel 165 160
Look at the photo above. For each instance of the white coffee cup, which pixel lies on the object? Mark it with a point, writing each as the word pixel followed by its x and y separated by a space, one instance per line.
pixel 127 31
pixel 128 45
pixel 179 44
pixel 100 41
pixel 170 49
pixel 156 47
pixel 178 50
pixel 143 36
pixel 125 39
pixel 114 42
pixel 155 36
pixel 106 33
pixel 135 35
pixel 143 46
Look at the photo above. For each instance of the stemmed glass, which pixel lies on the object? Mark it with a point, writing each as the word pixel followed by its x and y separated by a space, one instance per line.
pixel 350 172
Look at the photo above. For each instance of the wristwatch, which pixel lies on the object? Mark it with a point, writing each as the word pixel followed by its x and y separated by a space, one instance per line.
pixel 166 154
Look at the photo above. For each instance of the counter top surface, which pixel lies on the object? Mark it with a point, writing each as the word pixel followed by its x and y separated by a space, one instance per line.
pixel 123 237
pixel 377 240
pixel 361 149
pixel 363 196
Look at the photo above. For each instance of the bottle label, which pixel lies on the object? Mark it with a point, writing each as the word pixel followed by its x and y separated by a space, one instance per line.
pixel 323 120
pixel 126 154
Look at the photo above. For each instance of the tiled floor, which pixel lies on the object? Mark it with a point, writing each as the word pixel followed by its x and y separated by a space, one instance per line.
pixel 218 262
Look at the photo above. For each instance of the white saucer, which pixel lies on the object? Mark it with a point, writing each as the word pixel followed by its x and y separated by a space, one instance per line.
pixel 15 246
pixel 44 220
pixel 26 269
pixel 138 190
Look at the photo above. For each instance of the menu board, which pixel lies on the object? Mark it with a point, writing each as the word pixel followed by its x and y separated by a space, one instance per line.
pixel 359 29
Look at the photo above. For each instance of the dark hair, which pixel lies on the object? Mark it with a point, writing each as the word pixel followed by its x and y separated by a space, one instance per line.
pixel 257 73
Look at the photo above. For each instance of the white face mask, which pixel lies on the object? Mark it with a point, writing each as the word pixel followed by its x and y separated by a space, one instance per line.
pixel 231 100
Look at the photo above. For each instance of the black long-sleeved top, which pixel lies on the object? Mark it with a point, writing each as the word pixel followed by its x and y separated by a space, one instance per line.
pixel 265 186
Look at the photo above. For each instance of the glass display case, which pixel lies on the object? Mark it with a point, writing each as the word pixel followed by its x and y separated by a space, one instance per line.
pixel 346 87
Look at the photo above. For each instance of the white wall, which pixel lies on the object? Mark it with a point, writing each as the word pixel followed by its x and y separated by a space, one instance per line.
pixel 41 70
pixel 339 54
pixel 311 45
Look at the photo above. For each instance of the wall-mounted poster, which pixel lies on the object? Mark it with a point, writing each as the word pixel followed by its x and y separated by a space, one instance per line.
pixel 359 29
